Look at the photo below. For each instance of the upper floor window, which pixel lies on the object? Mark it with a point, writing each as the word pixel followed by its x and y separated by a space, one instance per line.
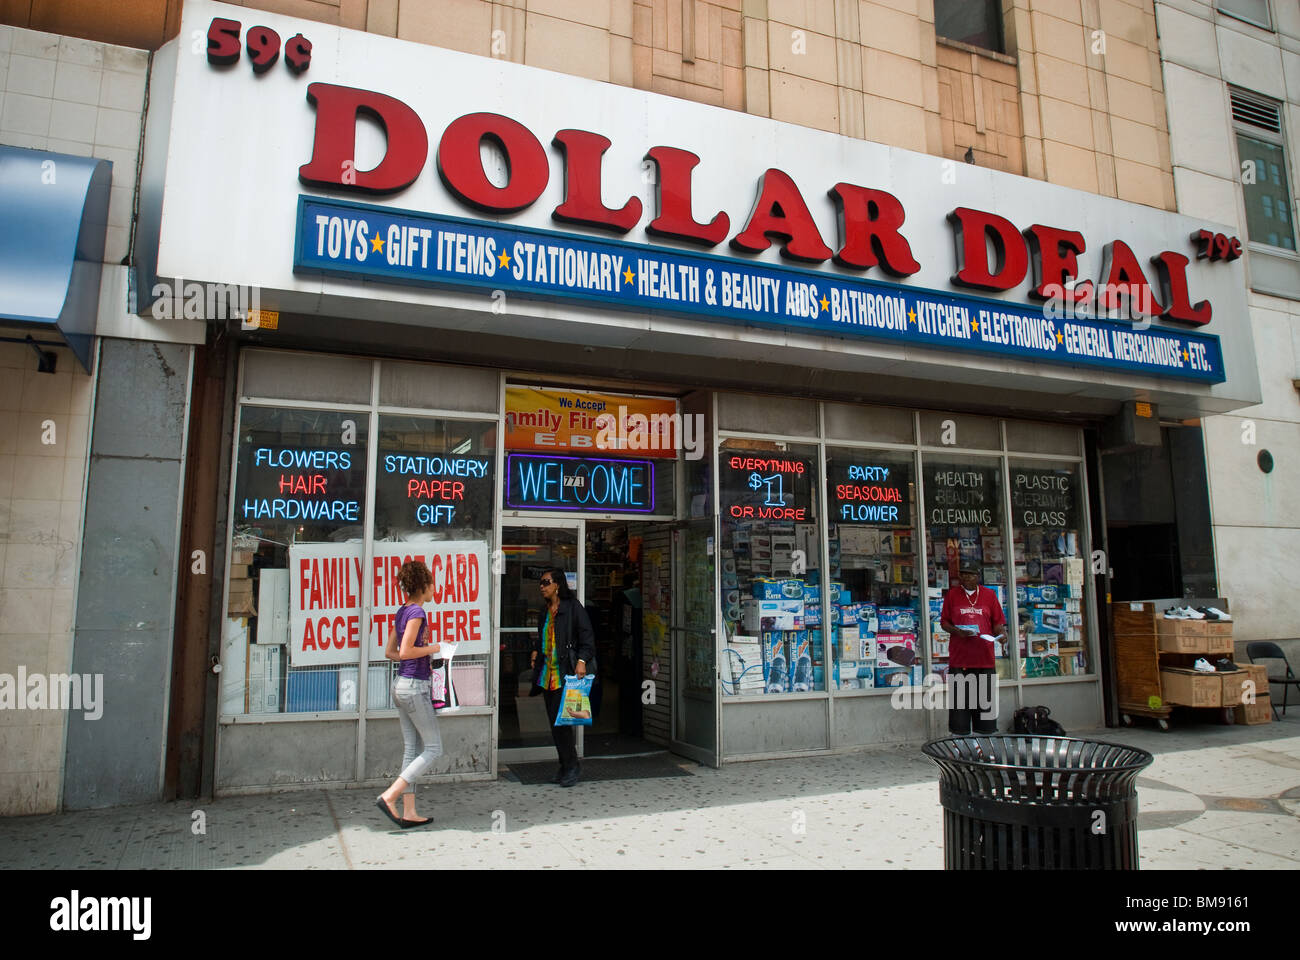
pixel 1252 11
pixel 1261 151
pixel 977 22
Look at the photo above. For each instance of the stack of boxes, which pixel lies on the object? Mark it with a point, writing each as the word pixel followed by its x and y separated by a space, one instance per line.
pixel 241 583
pixel 1261 711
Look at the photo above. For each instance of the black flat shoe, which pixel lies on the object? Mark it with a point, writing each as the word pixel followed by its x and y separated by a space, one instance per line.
pixel 408 824
pixel 559 775
pixel 569 779
pixel 379 802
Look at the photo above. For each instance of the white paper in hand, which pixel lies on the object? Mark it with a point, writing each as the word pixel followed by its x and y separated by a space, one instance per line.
pixel 447 651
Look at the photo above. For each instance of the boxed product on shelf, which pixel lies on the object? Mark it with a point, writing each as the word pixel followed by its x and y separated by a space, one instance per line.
pixel 760 615
pixel 902 543
pixel 895 649
pixel 770 588
pixel 939 642
pixel 904 573
pixel 1043 592
pixel 940 669
pixel 849 640
pixel 1053 572
pixel 812 593
pixel 864 614
pixel 1190 689
pixel 801 661
pixel 993 574
pixel 812 614
pixel 894 676
pixel 1044 644
pixel 776 662
pixel 896 619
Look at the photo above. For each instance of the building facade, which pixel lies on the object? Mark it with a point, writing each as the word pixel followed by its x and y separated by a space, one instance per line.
pixel 756 308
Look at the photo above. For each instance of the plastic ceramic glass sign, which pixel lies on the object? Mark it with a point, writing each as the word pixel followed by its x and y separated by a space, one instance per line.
pixel 326 586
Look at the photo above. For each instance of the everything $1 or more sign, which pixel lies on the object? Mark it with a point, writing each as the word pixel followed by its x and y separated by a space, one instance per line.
pixel 326 587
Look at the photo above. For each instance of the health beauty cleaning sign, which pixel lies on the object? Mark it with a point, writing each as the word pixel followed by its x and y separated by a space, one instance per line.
pixel 327 584
pixel 962 495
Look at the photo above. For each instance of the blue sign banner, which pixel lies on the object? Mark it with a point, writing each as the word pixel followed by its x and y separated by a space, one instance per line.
pixel 383 243
pixel 582 484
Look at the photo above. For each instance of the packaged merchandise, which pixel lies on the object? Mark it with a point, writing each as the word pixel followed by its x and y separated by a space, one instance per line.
pixel 776 662
pixel 896 676
pixel 896 620
pixel 812 593
pixel 760 615
pixel 801 673
pixel 812 613
pixel 895 649
pixel 849 640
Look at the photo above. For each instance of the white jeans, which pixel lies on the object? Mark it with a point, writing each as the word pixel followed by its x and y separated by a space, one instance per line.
pixel 419 728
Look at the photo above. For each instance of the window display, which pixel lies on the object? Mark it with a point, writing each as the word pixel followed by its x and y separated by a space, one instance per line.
pixel 963 515
pixel 300 494
pixel 771 578
pixel 1048 569
pixel 874 596
pixel 434 481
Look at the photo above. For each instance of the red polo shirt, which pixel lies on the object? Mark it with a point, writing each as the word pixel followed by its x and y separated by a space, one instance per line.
pixel 983 612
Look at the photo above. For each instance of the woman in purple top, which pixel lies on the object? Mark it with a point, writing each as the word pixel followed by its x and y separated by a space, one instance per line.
pixel 413 695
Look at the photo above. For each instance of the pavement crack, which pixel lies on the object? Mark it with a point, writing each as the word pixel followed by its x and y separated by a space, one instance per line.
pixel 338 830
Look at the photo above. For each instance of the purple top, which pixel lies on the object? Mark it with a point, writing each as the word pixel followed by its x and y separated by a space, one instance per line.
pixel 419 667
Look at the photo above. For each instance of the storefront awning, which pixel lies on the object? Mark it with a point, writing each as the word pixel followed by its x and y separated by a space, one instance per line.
pixel 53 216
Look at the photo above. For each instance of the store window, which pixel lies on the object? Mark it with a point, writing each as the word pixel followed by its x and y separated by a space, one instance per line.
pixel 874 595
pixel 293 633
pixel 434 481
pixel 1261 151
pixel 1047 543
pixel 963 522
pixel 771 568
pixel 977 22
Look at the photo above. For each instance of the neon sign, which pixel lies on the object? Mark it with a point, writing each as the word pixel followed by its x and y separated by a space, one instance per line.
pixel 869 493
pixel 579 484
pixel 758 486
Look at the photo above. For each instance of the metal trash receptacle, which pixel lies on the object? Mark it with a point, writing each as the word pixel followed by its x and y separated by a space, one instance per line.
pixel 1019 802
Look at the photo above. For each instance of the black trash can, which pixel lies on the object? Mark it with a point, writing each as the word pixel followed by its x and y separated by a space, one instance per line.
pixel 1020 802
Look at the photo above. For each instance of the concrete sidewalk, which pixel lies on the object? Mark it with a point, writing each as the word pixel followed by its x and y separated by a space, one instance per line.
pixel 1216 797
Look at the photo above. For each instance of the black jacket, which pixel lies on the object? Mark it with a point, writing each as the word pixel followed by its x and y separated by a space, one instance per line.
pixel 574 641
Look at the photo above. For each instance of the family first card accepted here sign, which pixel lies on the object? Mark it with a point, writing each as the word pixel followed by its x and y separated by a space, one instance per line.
pixel 327 583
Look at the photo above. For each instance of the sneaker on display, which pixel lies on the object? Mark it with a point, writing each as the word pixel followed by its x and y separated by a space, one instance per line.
pixel 1202 666
pixel 1216 613
pixel 1175 613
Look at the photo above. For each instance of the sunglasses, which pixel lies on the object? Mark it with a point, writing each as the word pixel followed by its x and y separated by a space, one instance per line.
pixel 545 583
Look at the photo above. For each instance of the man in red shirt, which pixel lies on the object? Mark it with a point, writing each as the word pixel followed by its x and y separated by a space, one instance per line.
pixel 972 677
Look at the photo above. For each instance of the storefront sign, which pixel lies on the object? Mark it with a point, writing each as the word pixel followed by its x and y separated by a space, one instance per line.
pixel 303 485
pixel 472 186
pixel 962 495
pixel 581 421
pixel 765 485
pixel 1043 498
pixel 579 484
pixel 870 493
pixel 436 490
pixel 326 588
pixel 343 238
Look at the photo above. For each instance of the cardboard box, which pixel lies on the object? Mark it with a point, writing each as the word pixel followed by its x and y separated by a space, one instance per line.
pixel 1261 711
pixel 1232 687
pixel 760 615
pixel 1189 688
pixel 1218 644
pixel 1218 628
pixel 887 642
pixel 1258 674
pixel 896 619
pixel 238 557
pixel 1181 628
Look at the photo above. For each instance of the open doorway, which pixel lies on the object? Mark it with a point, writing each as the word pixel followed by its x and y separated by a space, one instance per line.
pixel 616 603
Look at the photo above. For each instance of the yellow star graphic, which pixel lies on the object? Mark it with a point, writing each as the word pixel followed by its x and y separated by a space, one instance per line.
pixel 377 243
pixel 504 258
pixel 974 324
pixel 628 275
pixel 1186 357
pixel 826 304
pixel 911 316
pixel 1060 338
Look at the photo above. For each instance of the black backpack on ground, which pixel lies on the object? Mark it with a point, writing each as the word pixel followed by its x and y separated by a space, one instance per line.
pixel 1036 721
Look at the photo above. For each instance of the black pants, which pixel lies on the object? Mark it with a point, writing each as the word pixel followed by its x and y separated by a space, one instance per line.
pixel 564 737
pixel 973 703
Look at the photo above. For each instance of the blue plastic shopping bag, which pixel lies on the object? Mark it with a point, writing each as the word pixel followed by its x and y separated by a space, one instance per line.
pixel 575 705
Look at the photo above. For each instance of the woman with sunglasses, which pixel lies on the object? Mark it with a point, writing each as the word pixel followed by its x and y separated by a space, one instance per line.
pixel 565 646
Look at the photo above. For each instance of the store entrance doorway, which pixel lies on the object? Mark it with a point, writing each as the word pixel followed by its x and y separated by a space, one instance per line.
pixel 621 572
